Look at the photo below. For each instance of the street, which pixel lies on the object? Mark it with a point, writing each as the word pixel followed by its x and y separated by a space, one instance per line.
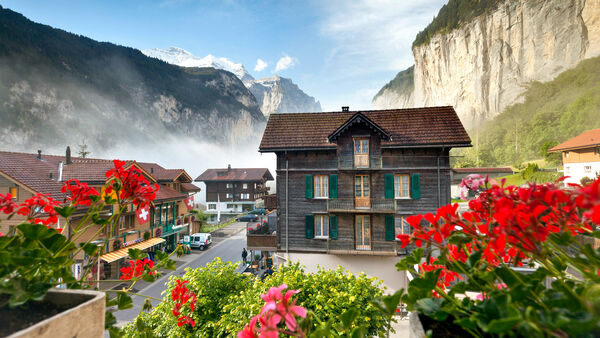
pixel 226 248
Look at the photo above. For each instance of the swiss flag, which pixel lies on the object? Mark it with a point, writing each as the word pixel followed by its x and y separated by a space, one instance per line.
pixel 189 202
pixel 143 214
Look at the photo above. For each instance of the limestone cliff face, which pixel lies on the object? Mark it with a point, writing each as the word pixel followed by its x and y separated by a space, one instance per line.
pixel 485 65
pixel 280 95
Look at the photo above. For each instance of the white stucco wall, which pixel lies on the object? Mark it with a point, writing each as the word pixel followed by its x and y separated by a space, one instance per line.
pixel 577 171
pixel 382 267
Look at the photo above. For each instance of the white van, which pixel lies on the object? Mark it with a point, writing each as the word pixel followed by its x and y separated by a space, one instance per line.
pixel 198 241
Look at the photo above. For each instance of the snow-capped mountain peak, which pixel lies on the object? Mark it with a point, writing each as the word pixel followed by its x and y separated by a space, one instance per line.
pixel 181 57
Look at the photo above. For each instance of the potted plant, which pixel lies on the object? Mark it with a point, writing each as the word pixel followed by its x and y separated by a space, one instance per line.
pixel 39 295
pixel 116 244
pixel 520 262
pixel 147 235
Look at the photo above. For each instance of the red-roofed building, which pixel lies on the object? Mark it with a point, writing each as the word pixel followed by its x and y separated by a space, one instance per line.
pixel 348 180
pixel 580 156
pixel 24 175
pixel 232 191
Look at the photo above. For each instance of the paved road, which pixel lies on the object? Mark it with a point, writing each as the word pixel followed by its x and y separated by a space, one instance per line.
pixel 227 248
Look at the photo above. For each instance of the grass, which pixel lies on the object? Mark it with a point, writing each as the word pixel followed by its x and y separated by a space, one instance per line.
pixel 457 200
pixel 217 226
pixel 537 177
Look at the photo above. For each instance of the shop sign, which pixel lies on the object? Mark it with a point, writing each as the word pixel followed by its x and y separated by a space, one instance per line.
pixel 126 244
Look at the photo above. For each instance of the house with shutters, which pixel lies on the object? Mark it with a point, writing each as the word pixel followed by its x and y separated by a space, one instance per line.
pixel 347 181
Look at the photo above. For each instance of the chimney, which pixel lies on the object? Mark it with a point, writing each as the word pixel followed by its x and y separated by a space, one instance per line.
pixel 229 167
pixel 39 155
pixel 68 156
pixel 345 108
pixel 60 167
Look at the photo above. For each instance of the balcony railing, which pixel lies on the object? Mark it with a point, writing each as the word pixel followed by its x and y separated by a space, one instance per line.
pixel 360 162
pixel 350 205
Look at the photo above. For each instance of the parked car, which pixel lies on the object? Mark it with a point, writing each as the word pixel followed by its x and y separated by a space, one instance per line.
pixel 259 211
pixel 198 241
pixel 248 218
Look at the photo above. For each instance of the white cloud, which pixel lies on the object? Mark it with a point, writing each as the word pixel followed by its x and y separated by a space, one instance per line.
pixel 374 35
pixel 285 63
pixel 260 65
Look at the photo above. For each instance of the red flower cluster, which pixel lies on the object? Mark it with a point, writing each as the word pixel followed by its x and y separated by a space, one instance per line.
pixel 40 209
pixel 182 295
pixel 133 185
pixel 80 192
pixel 7 205
pixel 508 224
pixel 446 276
pixel 136 269
pixel 277 309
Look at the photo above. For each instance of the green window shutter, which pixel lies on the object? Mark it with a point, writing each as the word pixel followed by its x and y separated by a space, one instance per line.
pixel 389 228
pixel 333 227
pixel 389 186
pixel 308 186
pixel 333 186
pixel 415 186
pixel 309 226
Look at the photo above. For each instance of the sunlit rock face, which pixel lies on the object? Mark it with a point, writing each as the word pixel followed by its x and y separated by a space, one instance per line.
pixel 485 65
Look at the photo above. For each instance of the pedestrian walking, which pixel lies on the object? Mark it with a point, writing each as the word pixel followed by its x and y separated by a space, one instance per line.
pixel 244 254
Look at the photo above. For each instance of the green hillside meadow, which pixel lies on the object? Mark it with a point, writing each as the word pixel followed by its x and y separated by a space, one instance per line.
pixel 551 113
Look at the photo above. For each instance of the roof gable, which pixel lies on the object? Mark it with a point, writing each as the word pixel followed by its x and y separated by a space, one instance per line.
pixel 359 118
pixel 235 174
pixel 590 138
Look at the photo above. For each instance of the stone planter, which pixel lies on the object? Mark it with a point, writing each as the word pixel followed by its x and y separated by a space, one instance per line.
pixel 84 319
pixel 414 326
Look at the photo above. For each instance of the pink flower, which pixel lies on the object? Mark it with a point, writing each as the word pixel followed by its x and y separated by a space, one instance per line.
pixel 249 330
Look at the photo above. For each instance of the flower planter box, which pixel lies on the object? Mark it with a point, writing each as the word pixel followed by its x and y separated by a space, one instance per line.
pixel 414 326
pixel 83 318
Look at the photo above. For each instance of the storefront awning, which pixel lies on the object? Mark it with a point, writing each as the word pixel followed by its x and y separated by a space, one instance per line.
pixel 122 253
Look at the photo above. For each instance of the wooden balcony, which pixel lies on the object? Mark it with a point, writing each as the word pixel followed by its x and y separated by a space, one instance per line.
pixel 261 242
pixel 350 205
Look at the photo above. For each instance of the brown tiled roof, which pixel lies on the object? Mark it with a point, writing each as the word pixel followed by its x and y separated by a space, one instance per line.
pixel 190 187
pixel 235 174
pixel 590 138
pixel 432 126
pixel 33 173
pixel 164 175
pixel 482 170
pixel 165 193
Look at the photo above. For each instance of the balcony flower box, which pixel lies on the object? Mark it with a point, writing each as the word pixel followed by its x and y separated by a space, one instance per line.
pixel 80 313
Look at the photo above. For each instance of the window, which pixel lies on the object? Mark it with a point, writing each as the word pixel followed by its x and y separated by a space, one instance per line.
pixel 230 206
pixel 587 169
pixel 321 186
pixel 245 196
pixel 229 186
pixel 361 146
pixel 245 186
pixel 321 226
pixel 212 207
pixel 566 154
pixel 14 192
pixel 228 195
pixel 402 226
pixel 567 170
pixel 401 186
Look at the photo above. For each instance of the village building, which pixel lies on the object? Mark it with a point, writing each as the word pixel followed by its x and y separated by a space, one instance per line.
pixel 580 156
pixel 24 175
pixel 232 191
pixel 347 183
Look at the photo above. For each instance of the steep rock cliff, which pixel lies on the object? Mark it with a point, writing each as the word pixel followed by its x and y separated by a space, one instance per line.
pixel 485 64
pixel 280 95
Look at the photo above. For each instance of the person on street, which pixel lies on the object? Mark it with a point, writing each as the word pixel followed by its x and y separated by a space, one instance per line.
pixel 244 255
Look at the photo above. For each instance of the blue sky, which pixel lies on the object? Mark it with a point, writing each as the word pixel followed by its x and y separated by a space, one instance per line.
pixel 340 52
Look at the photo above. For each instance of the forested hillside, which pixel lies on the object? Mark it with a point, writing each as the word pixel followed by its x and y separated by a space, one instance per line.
pixel 550 113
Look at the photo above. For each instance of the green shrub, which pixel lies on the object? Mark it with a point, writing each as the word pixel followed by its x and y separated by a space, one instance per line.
pixel 227 300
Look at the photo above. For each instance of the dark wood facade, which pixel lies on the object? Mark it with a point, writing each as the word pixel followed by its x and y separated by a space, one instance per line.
pixel 427 167
pixel 235 189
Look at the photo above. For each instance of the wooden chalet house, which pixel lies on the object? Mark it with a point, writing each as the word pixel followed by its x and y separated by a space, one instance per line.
pixel 232 191
pixel 346 181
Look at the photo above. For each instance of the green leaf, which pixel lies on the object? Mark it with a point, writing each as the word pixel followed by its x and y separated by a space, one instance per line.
pixel 427 282
pixel 348 317
pixel 136 254
pixel 148 278
pixel 474 258
pixel 147 306
pixel 65 211
pixel 97 220
pixel 35 231
pixel 459 238
pixel 502 325
pixel 391 301
pixel 90 249
pixel 124 301
pixel 111 301
pixel 109 320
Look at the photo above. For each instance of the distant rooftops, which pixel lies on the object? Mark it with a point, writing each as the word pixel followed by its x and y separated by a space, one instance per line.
pixel 590 138
pixel 413 127
pixel 235 174
pixel 483 170
pixel 42 173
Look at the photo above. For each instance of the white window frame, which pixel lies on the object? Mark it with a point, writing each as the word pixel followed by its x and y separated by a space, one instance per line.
pixel 400 229
pixel 229 186
pixel 245 196
pixel 212 206
pixel 398 192
pixel 587 169
pixel 566 154
pixel 245 186
pixel 321 181
pixel 228 195
pixel 321 225
pixel 567 170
